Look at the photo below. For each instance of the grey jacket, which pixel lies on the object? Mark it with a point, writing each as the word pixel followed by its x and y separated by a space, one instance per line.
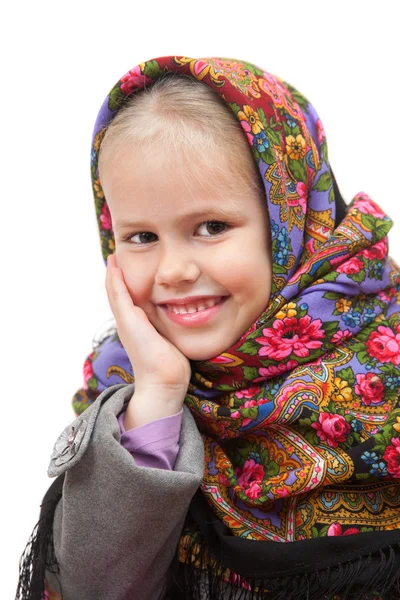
pixel 117 525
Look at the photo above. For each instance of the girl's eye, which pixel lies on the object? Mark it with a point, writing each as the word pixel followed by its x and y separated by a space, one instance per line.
pixel 143 238
pixel 215 227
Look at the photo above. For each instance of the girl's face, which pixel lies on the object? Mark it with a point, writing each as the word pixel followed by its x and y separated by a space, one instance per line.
pixel 176 239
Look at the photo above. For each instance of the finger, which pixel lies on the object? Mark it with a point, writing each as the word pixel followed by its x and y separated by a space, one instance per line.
pixel 118 295
pixel 120 299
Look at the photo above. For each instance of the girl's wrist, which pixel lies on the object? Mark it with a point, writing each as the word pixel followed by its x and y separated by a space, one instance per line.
pixel 147 407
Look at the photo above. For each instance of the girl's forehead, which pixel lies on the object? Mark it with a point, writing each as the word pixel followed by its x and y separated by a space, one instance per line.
pixel 141 192
pixel 133 171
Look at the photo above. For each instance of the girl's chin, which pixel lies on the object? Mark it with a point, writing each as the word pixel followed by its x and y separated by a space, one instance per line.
pixel 200 353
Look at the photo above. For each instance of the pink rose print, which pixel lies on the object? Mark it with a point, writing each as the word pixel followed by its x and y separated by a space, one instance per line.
pixel 368 207
pixel 274 370
pixel 134 79
pixel 336 529
pixel 291 336
pixel 384 345
pixel 105 217
pixel 320 131
pixel 248 393
pixel 301 189
pixel 246 126
pixel 248 404
pixel 354 265
pixel 341 336
pixel 223 480
pixel 370 388
pixel 331 428
pixel 87 373
pixel 392 457
pixel 239 579
pixel 386 295
pixel 250 478
pixel 377 251
pixel 302 200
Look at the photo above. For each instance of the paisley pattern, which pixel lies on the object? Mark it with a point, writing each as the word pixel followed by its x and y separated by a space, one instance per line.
pixel 300 417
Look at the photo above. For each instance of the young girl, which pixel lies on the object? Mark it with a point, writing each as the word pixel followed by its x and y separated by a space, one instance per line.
pixel 238 435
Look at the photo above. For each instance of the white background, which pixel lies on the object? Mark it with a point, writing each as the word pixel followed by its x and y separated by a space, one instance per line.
pixel 59 60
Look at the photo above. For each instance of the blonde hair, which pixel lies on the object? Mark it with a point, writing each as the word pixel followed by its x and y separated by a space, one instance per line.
pixel 190 123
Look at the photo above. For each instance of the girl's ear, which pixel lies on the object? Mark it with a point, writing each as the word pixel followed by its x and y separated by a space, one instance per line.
pixel 341 206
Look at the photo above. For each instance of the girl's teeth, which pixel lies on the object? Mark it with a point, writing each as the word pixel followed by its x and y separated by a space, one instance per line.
pixel 183 310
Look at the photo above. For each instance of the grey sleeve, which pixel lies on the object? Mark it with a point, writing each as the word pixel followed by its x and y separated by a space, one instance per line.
pixel 117 525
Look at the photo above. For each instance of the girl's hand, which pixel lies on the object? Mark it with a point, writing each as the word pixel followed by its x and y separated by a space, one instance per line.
pixel 162 372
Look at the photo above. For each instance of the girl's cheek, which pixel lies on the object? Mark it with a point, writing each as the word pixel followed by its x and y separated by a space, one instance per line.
pixel 138 287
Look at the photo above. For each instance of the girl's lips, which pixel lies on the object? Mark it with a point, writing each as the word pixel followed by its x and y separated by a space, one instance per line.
pixel 196 319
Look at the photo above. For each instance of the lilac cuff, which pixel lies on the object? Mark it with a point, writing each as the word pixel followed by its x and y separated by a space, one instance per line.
pixel 155 444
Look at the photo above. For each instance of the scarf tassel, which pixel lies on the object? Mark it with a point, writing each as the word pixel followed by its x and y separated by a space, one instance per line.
pixel 359 579
pixel 39 556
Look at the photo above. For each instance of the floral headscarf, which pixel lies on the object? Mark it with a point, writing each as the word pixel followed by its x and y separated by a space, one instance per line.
pixel 300 417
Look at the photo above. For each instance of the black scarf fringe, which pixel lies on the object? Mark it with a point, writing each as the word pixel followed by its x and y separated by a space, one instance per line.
pixel 370 577
pixel 38 556
pixel 199 578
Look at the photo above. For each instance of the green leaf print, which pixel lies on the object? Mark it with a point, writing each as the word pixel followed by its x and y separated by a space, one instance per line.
pixel 152 69
pixel 358 277
pixel 363 357
pixel 298 170
pixel 252 68
pixel 250 347
pixel 116 98
pixel 299 98
pixel 389 370
pixel 250 373
pixel 324 150
pixel 384 438
pixel 332 296
pixel 92 383
pixel 235 107
pixel 314 532
pixel 261 116
pixel 271 469
pixel 80 407
pixel 346 374
pixel 323 532
pixel 250 413
pixel 279 269
pixel 331 276
pixel 305 280
pixel 268 156
pixel 381 229
pixel 323 182
pixel 368 221
pixel 273 137
pixel 362 476
pixel 330 328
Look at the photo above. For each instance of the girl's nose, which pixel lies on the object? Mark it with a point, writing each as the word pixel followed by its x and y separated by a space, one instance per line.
pixel 176 266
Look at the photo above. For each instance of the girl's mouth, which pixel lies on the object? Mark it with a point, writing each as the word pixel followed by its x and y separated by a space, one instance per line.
pixel 198 315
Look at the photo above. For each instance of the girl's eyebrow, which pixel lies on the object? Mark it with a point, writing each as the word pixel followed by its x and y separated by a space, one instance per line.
pixel 128 224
